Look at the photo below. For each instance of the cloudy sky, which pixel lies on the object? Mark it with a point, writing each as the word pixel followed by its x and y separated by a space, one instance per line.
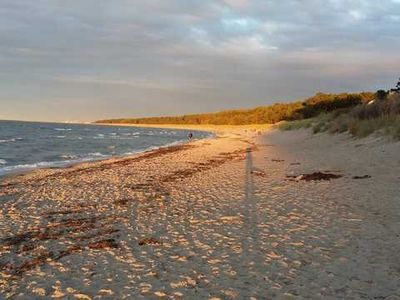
pixel 87 59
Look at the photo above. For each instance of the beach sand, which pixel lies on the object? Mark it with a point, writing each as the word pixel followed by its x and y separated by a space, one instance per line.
pixel 233 217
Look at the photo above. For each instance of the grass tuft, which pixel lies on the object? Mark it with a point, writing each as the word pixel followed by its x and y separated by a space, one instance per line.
pixel 292 125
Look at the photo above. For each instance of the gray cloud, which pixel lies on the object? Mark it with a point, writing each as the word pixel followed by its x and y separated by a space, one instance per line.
pixel 82 60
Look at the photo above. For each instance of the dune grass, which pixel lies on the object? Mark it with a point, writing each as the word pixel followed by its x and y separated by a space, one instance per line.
pixel 379 117
pixel 389 126
pixel 306 123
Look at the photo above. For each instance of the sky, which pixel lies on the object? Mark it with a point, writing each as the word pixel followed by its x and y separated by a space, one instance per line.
pixel 82 60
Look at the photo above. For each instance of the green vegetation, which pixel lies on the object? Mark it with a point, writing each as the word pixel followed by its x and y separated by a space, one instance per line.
pixel 362 120
pixel 381 115
pixel 259 115
pixel 311 107
pixel 297 124
pixel 360 114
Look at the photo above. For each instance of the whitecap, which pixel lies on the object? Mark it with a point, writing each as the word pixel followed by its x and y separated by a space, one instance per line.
pixel 17 168
pixel 67 159
pixel 131 133
pixel 11 140
pixel 3 161
pixel 63 129
pixel 97 154
pixel 68 156
pixel 99 136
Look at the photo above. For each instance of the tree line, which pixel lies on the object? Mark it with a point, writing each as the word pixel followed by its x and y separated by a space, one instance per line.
pixel 310 107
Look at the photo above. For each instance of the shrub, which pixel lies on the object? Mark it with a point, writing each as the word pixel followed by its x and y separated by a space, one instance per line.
pixel 388 107
pixel 381 95
pixel 360 121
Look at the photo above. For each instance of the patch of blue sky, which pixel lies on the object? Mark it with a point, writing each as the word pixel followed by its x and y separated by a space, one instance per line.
pixel 240 24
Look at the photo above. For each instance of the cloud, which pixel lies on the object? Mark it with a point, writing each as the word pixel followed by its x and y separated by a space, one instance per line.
pixel 237 3
pixel 139 83
pixel 192 55
pixel 248 45
pixel 357 15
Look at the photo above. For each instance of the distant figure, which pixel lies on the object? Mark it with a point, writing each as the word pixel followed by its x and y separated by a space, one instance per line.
pixel 190 135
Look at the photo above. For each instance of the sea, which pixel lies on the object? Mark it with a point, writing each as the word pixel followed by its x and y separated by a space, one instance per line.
pixel 29 145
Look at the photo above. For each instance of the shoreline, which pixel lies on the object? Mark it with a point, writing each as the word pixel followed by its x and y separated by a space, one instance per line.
pixel 60 165
pixel 215 130
pixel 101 161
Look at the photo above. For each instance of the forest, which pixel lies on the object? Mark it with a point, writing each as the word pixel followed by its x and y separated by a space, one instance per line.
pixel 308 108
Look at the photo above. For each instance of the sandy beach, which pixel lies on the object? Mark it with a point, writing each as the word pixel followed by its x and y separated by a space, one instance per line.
pixel 244 215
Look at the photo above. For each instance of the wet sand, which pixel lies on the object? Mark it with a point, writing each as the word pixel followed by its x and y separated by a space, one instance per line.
pixel 227 218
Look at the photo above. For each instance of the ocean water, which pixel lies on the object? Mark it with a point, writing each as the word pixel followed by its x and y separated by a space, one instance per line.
pixel 27 145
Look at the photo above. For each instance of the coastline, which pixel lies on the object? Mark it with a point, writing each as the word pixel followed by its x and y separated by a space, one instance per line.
pixel 88 162
pixel 59 165
pixel 209 219
pixel 217 129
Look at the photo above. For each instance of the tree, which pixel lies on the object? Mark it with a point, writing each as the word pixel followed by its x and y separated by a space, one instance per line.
pixel 381 95
pixel 397 89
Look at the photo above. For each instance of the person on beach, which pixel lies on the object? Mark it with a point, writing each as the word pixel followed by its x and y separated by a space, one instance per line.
pixel 190 135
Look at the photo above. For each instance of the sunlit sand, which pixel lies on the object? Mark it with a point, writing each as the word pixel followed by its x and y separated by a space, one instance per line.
pixel 230 217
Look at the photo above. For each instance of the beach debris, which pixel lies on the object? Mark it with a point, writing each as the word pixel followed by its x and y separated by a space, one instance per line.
pixel 316 176
pixel 107 243
pixel 149 241
pixel 362 177
pixel 113 163
pixel 295 164
pixel 258 173
pixel 31 245
pixel 209 164
pixel 121 202
pixel 44 256
pixel 277 160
